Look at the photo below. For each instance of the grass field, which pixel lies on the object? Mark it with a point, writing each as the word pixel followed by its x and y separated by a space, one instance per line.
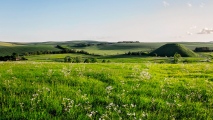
pixel 119 48
pixel 6 44
pixel 21 49
pixel 49 90
pixel 106 49
pixel 119 58
pixel 54 57
pixel 127 87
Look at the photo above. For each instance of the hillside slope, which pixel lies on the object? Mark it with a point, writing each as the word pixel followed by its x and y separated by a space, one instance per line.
pixel 171 49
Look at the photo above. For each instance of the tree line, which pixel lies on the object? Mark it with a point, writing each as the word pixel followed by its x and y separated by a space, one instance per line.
pixel 62 51
pixel 203 49
pixel 13 57
pixel 79 59
pixel 136 53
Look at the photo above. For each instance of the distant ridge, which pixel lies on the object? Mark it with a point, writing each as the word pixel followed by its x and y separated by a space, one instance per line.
pixel 172 48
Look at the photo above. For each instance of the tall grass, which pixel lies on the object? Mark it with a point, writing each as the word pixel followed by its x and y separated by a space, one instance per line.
pixel 36 90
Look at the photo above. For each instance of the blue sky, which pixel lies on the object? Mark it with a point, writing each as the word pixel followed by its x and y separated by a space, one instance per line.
pixel 106 20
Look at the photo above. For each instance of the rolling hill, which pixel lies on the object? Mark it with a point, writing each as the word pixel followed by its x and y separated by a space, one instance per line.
pixel 171 49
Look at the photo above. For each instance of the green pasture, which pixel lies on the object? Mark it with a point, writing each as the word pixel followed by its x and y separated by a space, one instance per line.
pixel 50 90
pixel 6 44
pixel 127 87
pixel 54 57
pixel 118 58
pixel 103 49
pixel 119 48
pixel 21 49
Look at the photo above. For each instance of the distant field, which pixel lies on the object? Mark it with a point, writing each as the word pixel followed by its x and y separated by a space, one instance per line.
pixel 192 45
pixel 54 57
pixel 7 44
pixel 115 58
pixel 41 90
pixel 121 48
pixel 8 50
pixel 104 49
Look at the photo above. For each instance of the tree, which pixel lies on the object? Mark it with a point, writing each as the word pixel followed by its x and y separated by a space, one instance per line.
pixel 108 61
pixel 14 56
pixel 38 52
pixel 177 57
pixel 103 61
pixel 86 61
pixel 67 59
pixel 94 60
pixel 78 59
pixel 23 58
pixel 26 54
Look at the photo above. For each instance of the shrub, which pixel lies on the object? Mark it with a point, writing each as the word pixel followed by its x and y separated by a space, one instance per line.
pixel 86 61
pixel 66 59
pixel 103 61
pixel 93 60
pixel 78 59
pixel 177 57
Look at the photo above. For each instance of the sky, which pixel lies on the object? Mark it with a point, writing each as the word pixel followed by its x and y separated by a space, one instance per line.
pixel 106 20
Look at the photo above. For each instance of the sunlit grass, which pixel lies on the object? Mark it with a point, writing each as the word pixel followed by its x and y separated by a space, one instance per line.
pixel 36 90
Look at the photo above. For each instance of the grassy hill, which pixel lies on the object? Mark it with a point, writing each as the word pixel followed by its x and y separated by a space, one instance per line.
pixel 6 44
pixel 21 49
pixel 171 49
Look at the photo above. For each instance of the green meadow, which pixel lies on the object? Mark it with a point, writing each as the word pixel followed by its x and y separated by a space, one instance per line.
pixel 127 87
pixel 41 90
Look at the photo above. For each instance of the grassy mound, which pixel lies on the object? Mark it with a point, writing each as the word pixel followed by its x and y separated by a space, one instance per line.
pixel 171 49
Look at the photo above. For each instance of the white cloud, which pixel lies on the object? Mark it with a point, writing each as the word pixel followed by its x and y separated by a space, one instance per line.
pixel 206 31
pixel 189 4
pixel 202 5
pixel 193 27
pixel 165 4
pixel 189 33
